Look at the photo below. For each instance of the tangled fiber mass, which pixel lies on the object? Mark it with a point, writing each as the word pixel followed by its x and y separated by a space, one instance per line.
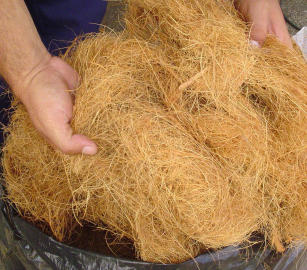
pixel 202 138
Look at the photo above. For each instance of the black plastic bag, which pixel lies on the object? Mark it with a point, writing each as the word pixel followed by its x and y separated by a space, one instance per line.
pixel 22 246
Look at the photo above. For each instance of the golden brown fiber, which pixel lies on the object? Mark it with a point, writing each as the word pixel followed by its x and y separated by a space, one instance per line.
pixel 202 138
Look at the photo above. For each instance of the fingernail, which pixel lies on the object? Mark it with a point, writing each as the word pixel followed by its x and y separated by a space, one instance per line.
pixel 254 43
pixel 89 150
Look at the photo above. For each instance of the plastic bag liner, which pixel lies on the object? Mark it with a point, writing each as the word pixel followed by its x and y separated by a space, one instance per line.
pixel 22 246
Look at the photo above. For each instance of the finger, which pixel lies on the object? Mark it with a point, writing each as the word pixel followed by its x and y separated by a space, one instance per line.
pixel 70 143
pixel 285 39
pixel 78 144
pixel 258 33
pixel 279 28
pixel 59 133
pixel 283 35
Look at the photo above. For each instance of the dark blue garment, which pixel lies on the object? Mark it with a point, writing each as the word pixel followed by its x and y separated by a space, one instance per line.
pixel 5 103
pixel 58 23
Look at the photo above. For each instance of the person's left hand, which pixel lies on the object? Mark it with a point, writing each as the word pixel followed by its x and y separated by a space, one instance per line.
pixel 266 18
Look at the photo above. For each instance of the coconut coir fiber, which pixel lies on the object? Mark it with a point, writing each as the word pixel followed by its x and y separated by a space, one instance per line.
pixel 202 138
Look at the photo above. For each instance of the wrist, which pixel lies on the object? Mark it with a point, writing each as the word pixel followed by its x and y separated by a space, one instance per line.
pixel 21 82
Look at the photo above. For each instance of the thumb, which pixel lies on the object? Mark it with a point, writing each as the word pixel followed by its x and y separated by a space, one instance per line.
pixel 77 144
pixel 59 133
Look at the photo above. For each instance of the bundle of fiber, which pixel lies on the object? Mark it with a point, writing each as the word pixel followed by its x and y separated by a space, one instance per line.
pixel 278 82
pixel 151 180
pixel 202 32
pixel 201 137
pixel 274 80
pixel 34 178
pixel 215 60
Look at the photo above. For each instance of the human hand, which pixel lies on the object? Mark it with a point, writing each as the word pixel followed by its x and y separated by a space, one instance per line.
pixel 44 92
pixel 266 18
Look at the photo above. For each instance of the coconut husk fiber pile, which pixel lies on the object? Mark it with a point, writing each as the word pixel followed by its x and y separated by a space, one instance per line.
pixel 202 137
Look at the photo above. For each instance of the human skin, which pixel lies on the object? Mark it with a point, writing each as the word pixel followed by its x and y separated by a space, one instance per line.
pixel 266 18
pixel 43 83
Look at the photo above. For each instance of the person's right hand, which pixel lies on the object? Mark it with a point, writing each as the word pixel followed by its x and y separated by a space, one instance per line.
pixel 44 92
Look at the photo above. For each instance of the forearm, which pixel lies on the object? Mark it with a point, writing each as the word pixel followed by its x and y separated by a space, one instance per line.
pixel 21 49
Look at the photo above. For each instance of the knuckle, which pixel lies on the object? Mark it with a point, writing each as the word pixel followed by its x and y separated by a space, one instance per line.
pixel 65 149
